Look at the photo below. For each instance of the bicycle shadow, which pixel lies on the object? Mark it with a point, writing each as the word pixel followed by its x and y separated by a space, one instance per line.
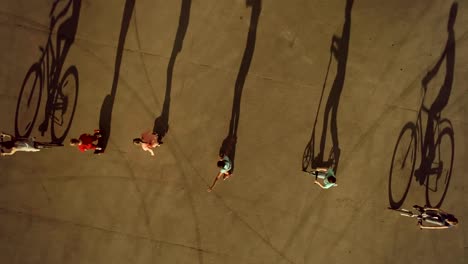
pixel 436 126
pixel 430 148
pixel 161 123
pixel 62 90
pixel 339 50
pixel 441 101
pixel 105 116
pixel 228 146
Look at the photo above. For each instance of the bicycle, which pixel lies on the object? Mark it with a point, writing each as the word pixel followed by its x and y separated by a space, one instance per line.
pixel 437 218
pixel 421 215
pixel 404 159
pixel 309 160
pixel 62 93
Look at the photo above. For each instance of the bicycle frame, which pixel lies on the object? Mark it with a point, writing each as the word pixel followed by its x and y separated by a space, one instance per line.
pixel 51 69
pixel 431 147
pixel 421 216
pixel 421 134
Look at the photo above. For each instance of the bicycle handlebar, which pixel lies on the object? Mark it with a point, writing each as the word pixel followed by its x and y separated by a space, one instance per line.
pixel 314 172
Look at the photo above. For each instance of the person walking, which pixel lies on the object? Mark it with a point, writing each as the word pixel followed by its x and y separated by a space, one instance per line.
pixel 86 141
pixel 148 141
pixel 225 165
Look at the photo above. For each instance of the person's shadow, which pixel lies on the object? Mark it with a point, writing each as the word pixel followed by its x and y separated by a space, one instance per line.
pixel 339 51
pixel 161 123
pixel 441 101
pixel 105 116
pixel 228 146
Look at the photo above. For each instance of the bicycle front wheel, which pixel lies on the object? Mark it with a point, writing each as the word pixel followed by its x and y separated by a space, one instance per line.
pixel 29 101
pixel 437 184
pixel 64 107
pixel 307 156
pixel 402 166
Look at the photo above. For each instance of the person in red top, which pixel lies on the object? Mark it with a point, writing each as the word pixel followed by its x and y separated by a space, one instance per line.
pixel 85 142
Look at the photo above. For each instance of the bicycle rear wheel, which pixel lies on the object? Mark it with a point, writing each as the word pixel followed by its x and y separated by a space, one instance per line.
pixel 64 107
pixel 402 166
pixel 29 101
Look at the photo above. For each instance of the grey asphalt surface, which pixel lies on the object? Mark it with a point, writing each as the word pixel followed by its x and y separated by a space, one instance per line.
pixel 272 60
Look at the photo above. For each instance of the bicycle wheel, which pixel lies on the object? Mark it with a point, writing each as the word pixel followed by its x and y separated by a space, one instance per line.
pixel 437 184
pixel 64 106
pixel 307 156
pixel 402 166
pixel 29 101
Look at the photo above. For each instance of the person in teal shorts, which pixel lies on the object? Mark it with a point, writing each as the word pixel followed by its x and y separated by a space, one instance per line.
pixel 328 176
pixel 225 165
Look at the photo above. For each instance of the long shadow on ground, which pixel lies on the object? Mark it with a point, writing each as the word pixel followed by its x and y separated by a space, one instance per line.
pixel 228 147
pixel 437 146
pixel 339 49
pixel 61 89
pixel 108 103
pixel 161 123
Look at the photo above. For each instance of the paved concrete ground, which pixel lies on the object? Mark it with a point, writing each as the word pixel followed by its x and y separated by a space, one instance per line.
pixel 140 62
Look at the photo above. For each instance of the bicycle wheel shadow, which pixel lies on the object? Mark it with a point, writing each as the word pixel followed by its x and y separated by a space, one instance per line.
pixel 228 146
pixel 161 123
pixel 437 140
pixel 61 89
pixel 402 166
pixel 339 49
pixel 105 116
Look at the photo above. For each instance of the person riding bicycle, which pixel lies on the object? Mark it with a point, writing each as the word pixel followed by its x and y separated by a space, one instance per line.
pixel 436 217
pixel 13 145
pixel 328 176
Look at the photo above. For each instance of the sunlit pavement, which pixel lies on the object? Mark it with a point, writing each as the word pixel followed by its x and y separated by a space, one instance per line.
pixel 265 75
